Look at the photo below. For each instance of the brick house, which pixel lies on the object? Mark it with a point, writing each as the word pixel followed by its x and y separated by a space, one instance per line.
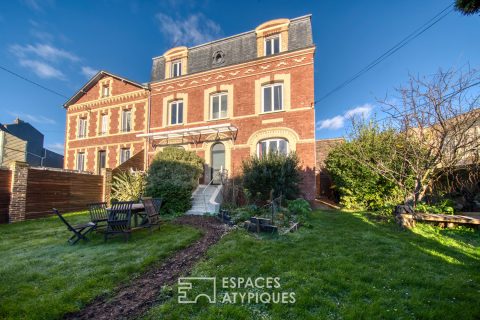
pixel 246 94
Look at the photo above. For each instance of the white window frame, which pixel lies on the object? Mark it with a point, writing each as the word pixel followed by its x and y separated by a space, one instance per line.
pixel 178 64
pixel 80 164
pixel 124 154
pixel 272 100
pixel 105 91
pixel 272 45
pixel 268 141
pixel 98 159
pixel 82 128
pixel 104 124
pixel 126 126
pixel 219 95
pixel 170 105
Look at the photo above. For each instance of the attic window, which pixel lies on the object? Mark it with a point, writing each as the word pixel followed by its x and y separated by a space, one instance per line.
pixel 105 90
pixel 218 57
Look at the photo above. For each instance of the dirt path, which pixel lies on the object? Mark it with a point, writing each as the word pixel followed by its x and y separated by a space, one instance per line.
pixel 136 298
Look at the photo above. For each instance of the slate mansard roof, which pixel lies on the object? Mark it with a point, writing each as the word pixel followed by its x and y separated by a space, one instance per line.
pixel 237 49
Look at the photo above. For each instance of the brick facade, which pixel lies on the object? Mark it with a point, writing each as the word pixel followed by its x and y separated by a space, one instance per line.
pixel 241 80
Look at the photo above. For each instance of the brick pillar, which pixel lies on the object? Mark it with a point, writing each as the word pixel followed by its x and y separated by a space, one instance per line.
pixel 107 184
pixel 18 198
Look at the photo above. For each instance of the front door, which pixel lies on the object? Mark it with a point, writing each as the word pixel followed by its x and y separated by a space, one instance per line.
pixel 218 161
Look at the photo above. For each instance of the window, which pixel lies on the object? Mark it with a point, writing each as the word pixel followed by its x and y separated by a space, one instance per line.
pixel 82 128
pixel 272 97
pixel 102 160
pixel 176 69
pixel 272 45
pixel 105 90
pixel 104 124
pixel 126 120
pixel 265 147
pixel 218 106
pixel 176 112
pixel 81 161
pixel 124 155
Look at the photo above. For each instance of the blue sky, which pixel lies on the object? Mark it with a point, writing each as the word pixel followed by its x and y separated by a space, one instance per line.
pixel 60 44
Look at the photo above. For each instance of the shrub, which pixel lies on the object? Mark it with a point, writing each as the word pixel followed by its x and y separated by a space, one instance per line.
pixel 445 206
pixel 300 208
pixel 128 186
pixel 359 186
pixel 172 176
pixel 277 172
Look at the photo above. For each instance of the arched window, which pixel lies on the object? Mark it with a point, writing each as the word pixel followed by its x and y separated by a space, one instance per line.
pixel 279 145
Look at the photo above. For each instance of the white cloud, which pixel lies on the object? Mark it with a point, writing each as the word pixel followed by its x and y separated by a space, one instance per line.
pixel 338 122
pixel 56 147
pixel 363 110
pixel 88 72
pixel 33 118
pixel 44 51
pixel 42 35
pixel 332 123
pixel 38 5
pixel 192 30
pixel 42 69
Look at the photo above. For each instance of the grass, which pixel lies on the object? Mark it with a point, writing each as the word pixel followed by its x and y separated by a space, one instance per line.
pixel 345 267
pixel 42 277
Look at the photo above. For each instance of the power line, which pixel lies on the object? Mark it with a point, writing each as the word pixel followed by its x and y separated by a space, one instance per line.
pixel 33 82
pixel 420 30
pixel 405 112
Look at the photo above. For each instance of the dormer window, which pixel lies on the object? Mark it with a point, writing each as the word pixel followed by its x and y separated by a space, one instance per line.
pixel 176 69
pixel 272 45
pixel 105 90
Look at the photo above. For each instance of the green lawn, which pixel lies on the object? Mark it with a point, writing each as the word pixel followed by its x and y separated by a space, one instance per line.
pixel 42 277
pixel 344 267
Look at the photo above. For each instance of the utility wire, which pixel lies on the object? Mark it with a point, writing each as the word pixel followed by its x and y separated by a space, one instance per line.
pixel 420 30
pixel 448 96
pixel 33 82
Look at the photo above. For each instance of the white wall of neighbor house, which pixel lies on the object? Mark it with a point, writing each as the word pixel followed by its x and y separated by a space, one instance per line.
pixel 11 149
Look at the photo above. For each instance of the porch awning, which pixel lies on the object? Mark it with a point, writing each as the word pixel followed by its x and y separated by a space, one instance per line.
pixel 195 131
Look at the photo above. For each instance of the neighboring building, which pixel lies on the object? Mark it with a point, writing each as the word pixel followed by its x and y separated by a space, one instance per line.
pixel 36 154
pixel 323 178
pixel 251 93
pixel 11 148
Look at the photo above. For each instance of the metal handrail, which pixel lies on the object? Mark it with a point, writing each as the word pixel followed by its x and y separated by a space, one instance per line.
pixel 222 174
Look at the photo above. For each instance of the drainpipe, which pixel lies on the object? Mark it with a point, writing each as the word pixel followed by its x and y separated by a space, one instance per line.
pixel 148 125
pixel 2 138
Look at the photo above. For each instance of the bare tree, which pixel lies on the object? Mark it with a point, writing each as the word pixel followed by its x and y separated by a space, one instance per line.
pixel 438 122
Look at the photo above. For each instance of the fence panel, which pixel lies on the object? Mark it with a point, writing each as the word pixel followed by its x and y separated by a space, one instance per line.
pixel 66 191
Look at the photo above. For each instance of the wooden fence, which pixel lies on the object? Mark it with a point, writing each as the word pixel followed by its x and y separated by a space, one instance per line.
pixel 5 184
pixel 30 193
pixel 66 191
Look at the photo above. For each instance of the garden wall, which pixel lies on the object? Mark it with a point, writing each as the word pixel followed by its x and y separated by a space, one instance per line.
pixel 5 181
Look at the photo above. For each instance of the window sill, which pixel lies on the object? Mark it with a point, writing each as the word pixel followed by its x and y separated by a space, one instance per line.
pixel 218 119
pixel 270 112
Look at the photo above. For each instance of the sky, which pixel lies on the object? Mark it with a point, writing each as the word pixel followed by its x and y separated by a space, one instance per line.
pixel 61 44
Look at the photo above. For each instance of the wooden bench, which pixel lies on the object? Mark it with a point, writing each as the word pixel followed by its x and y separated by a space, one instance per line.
pixel 447 221
pixel 406 217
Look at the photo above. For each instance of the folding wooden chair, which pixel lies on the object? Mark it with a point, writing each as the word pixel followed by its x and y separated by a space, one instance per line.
pixel 151 216
pixel 98 214
pixel 119 219
pixel 79 231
